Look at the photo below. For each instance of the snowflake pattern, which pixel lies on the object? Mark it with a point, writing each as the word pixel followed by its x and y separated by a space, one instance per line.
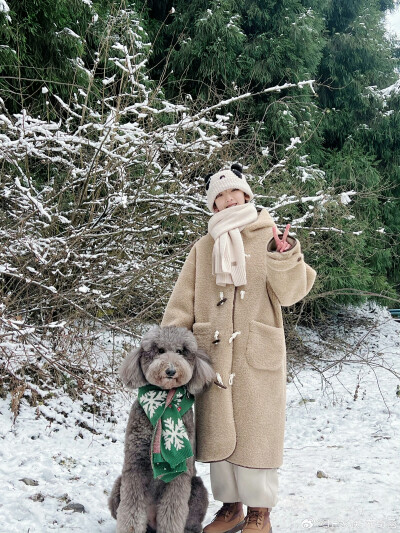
pixel 152 400
pixel 178 397
pixel 174 434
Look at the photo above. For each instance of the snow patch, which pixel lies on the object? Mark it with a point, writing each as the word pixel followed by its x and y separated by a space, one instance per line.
pixel 345 426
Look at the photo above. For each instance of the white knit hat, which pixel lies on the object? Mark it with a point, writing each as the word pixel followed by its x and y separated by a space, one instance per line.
pixel 226 179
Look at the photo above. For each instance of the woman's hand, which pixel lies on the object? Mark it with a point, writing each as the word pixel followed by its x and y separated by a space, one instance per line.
pixel 281 245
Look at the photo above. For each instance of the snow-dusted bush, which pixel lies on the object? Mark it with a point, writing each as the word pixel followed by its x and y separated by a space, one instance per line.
pixel 100 206
pixel 102 198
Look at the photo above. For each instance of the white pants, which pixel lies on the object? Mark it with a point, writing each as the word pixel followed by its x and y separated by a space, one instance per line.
pixel 252 486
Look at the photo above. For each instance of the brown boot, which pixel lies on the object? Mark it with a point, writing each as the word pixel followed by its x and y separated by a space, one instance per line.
pixel 257 519
pixel 229 519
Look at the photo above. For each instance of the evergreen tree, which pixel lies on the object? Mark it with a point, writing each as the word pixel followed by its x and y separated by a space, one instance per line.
pixel 359 55
pixel 229 47
pixel 340 43
pixel 42 45
pixel 383 138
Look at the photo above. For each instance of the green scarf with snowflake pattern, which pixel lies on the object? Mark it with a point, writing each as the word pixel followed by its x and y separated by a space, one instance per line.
pixel 170 445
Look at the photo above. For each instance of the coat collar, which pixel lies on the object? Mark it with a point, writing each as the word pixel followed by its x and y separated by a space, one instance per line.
pixel 264 220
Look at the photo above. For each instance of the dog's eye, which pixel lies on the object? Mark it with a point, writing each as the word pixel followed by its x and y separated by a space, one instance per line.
pixel 179 351
pixel 161 350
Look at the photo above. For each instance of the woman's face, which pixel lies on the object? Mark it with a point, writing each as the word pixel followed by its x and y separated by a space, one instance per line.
pixel 229 198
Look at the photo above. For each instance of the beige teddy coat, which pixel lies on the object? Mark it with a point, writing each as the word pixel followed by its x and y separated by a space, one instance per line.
pixel 243 423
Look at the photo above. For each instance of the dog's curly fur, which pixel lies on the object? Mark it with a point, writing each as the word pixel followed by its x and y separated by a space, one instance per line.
pixel 167 357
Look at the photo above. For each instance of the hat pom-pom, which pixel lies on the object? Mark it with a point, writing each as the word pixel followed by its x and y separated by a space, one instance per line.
pixel 237 169
pixel 236 166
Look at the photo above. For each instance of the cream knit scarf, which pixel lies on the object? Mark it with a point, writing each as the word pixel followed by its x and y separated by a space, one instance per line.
pixel 228 258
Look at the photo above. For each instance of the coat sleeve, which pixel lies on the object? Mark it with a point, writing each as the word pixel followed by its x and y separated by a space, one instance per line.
pixel 289 277
pixel 180 307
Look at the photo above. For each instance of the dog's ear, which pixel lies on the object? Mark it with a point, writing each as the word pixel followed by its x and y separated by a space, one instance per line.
pixel 203 373
pixel 131 372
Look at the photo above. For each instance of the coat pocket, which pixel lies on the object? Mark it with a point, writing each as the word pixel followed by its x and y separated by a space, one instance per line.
pixel 266 347
pixel 202 332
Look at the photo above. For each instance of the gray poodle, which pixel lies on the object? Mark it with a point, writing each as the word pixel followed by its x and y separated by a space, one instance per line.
pixel 168 358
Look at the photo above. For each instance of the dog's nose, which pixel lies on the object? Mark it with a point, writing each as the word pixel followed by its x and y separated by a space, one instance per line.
pixel 170 372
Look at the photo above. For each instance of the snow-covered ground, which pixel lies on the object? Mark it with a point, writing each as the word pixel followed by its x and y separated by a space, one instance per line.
pixel 345 426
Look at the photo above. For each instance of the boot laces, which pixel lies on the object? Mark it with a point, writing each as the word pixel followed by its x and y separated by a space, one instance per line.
pixel 255 516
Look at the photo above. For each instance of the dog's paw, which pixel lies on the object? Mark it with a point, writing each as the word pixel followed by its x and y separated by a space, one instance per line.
pixel 126 522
